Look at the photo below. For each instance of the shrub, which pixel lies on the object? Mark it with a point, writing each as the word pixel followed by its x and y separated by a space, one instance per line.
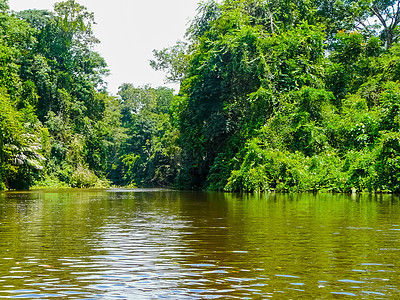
pixel 83 178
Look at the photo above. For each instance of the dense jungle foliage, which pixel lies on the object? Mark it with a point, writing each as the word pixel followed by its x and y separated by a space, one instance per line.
pixel 58 124
pixel 297 95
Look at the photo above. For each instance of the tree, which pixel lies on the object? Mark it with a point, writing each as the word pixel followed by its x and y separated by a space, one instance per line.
pixel 149 154
pixel 237 70
pixel 372 17
pixel 66 76
pixel 173 60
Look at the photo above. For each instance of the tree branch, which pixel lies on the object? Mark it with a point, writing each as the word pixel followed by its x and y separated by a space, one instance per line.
pixel 397 15
pixel 376 12
pixel 364 26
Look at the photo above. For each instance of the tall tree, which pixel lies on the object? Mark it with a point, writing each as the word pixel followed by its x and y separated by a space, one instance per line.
pixel 371 17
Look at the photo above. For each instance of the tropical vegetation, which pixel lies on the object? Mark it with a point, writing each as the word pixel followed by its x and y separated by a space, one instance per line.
pixel 287 96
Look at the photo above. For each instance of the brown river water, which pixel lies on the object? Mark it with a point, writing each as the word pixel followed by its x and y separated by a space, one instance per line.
pixel 155 244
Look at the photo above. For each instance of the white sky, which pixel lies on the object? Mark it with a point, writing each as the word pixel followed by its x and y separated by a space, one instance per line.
pixel 129 30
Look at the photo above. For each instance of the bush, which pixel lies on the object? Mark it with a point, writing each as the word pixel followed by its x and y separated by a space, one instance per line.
pixel 387 163
pixel 83 178
pixel 268 169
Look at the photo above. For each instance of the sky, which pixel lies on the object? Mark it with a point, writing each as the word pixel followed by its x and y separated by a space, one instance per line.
pixel 129 30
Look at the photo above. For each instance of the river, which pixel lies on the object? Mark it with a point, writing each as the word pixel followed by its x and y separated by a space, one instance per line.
pixel 151 244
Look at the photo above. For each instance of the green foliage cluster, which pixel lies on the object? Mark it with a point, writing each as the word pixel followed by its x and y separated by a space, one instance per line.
pixel 57 123
pixel 59 127
pixel 149 155
pixel 289 96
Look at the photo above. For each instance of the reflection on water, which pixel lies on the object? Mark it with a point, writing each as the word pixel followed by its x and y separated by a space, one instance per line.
pixel 145 244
